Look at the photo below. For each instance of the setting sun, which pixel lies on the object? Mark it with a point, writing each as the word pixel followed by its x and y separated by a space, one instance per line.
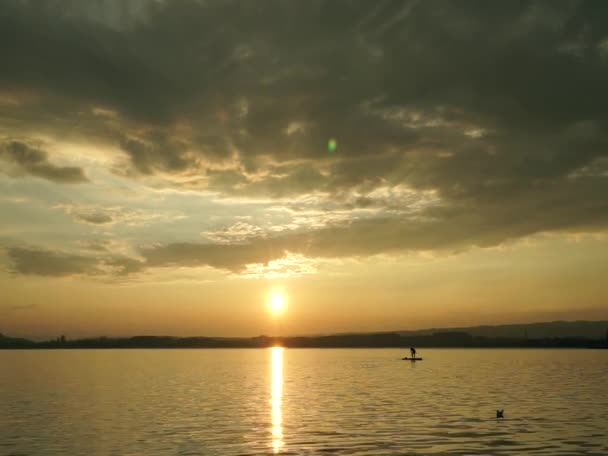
pixel 277 303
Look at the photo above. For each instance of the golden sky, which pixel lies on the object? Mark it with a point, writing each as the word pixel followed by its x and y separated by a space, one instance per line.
pixel 164 166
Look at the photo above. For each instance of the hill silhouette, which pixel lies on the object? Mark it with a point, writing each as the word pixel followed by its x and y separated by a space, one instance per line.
pixel 580 334
pixel 549 329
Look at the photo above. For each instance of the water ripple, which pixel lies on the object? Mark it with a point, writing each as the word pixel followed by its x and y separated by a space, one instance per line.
pixel 300 402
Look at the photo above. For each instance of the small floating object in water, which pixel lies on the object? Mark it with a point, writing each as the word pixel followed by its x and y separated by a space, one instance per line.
pixel 411 359
pixel 500 413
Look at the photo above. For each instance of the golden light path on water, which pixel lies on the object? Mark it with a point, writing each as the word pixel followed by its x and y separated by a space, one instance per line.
pixel 276 397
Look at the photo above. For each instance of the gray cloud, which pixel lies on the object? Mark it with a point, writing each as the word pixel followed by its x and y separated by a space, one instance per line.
pixel 51 263
pixel 28 160
pixel 31 261
pixel 157 155
pixel 113 215
pixel 499 108
pixel 95 218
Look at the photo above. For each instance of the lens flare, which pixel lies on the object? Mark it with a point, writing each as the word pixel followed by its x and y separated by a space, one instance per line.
pixel 332 145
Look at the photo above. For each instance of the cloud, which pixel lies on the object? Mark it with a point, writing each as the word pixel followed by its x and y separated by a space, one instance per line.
pixel 115 215
pixel 457 124
pixel 122 266
pixel 238 232
pixel 288 266
pixel 157 155
pixel 94 218
pixel 28 160
pixel 105 246
pixel 443 230
pixel 52 263
pixel 247 250
pixel 30 261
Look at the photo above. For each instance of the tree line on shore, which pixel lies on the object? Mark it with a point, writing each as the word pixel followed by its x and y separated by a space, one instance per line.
pixel 375 340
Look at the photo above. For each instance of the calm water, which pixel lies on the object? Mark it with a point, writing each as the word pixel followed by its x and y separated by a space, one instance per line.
pixel 240 402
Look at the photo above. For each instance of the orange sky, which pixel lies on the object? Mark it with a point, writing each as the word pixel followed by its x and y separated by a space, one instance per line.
pixel 386 169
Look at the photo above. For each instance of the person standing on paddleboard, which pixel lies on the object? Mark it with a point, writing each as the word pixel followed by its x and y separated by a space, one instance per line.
pixel 413 352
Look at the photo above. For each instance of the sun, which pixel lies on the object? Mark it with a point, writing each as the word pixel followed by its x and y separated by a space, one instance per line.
pixel 277 303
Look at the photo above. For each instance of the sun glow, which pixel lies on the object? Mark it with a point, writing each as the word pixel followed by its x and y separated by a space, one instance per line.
pixel 277 303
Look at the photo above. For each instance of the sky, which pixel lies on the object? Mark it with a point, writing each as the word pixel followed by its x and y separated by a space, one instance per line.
pixel 166 166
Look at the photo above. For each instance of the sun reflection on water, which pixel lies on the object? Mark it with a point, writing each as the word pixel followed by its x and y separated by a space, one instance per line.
pixel 276 397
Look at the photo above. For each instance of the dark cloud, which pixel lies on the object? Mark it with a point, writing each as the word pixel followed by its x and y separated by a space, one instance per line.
pixel 95 218
pixel 28 160
pixel 500 108
pixel 42 262
pixel 231 258
pixel 50 263
pixel 112 215
pixel 160 154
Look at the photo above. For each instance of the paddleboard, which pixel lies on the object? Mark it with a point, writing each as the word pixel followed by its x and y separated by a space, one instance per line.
pixel 411 359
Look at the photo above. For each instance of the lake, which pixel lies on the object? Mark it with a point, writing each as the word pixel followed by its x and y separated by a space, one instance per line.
pixel 303 401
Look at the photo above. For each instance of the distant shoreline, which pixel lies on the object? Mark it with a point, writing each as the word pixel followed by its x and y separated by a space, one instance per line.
pixel 291 348
pixel 384 340
pixel 554 334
